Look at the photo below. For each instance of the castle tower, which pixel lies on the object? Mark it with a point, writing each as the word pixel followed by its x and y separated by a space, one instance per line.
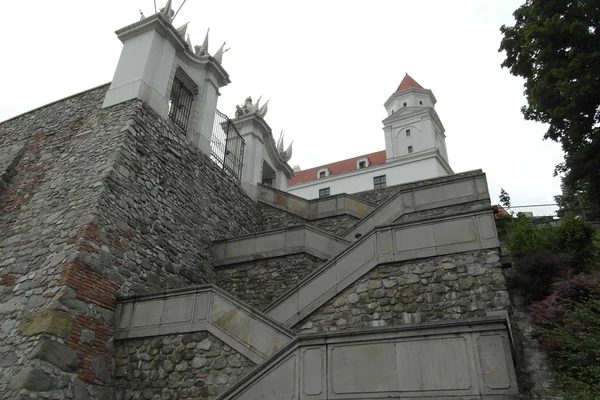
pixel 158 66
pixel 413 128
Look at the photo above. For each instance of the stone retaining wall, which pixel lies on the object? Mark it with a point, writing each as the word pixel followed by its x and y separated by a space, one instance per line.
pixel 463 285
pixel 273 218
pixel 260 282
pixel 197 366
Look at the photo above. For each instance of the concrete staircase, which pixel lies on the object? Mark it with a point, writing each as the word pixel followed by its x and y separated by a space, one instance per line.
pixel 465 358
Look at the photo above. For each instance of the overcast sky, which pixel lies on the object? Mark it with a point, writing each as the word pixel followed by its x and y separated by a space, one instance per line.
pixel 327 66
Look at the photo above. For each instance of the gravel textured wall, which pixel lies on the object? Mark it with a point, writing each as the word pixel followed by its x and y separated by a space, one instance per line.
pixel 260 282
pixel 171 367
pixel 458 286
pixel 273 218
pixel 100 201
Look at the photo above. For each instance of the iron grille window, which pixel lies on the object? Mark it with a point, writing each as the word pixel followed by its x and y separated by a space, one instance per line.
pixel 410 149
pixel 227 146
pixel 180 104
pixel 324 192
pixel 379 182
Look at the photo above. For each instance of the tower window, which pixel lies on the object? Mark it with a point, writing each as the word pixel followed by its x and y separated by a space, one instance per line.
pixel 379 182
pixel 407 132
pixel 180 104
pixel 322 174
pixel 410 149
pixel 420 102
pixel 404 104
pixel 362 164
pixel 324 192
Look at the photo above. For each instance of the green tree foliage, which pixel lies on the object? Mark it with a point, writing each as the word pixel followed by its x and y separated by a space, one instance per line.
pixel 504 198
pixel 575 239
pixel 555 46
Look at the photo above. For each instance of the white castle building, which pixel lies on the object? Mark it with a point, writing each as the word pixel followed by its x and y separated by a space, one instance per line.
pixel 415 149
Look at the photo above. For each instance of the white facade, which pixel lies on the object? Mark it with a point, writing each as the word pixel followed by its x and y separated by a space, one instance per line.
pixel 154 54
pixel 415 148
pixel 415 167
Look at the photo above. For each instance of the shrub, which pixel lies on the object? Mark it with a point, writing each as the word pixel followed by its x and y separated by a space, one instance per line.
pixel 568 322
pixel 537 271
pixel 525 238
pixel 574 238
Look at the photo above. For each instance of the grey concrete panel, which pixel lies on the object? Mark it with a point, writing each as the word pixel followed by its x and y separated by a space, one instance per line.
pixel 327 205
pixel 456 231
pixel 457 190
pixel 266 194
pixel 428 195
pixel 482 187
pixel 494 365
pixel 364 368
pixel 147 313
pixel 240 248
pixel 313 372
pixel 429 361
pixel 177 309
pixel 413 237
pixel 270 242
pixel 487 226
pixel 408 202
pixel 202 303
pixel 298 206
pixel 230 318
pixel 278 242
pixel 248 331
pixel 434 364
pixel 218 250
pixel 280 383
pixel 124 313
pixel 389 212
pixel 294 238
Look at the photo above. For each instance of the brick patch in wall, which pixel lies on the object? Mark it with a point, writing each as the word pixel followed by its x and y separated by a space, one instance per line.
pixel 89 285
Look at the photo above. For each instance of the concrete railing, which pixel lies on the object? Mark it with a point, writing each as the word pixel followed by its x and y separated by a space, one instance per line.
pixel 277 242
pixel 469 231
pixel 466 359
pixel 317 208
pixel 202 308
pixel 425 195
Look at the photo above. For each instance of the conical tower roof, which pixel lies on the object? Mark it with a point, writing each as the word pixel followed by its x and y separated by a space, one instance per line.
pixel 407 83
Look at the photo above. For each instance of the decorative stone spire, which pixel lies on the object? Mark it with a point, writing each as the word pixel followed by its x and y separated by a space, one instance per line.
pixel 168 12
pixel 219 54
pixel 182 30
pixel 263 110
pixel 286 154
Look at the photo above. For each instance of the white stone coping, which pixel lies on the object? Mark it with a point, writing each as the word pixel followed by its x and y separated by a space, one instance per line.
pixel 276 243
pixel 338 204
pixel 435 193
pixel 465 358
pixel 467 231
pixel 201 308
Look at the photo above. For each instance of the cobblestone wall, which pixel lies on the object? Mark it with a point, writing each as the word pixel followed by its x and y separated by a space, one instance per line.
pixel 170 367
pixel 273 218
pixel 461 285
pixel 260 282
pixel 100 201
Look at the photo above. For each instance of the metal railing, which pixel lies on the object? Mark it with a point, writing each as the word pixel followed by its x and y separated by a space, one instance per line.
pixel 270 182
pixel 227 146
pixel 538 210
pixel 180 104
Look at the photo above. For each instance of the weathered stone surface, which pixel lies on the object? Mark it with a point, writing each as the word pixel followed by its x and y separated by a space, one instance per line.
pixel 56 354
pixel 276 218
pixel 449 287
pixel 166 374
pixel 48 321
pixel 260 282
pixel 32 379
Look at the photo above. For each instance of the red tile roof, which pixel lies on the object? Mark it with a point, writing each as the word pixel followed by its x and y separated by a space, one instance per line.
pixel 407 83
pixel 338 167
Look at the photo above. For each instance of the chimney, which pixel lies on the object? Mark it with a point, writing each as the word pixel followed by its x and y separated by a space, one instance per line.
pixel 159 66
